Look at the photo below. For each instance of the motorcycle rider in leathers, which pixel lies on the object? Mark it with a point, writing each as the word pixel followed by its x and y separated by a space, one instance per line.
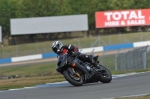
pixel 58 48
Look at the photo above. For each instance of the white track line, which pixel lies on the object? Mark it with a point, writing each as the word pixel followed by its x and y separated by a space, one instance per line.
pixel 130 96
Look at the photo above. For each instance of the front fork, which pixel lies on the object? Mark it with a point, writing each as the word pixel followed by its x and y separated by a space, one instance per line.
pixel 71 70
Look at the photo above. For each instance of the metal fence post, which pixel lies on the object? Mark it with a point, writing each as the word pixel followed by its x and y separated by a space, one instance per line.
pixel 116 63
pixel 102 59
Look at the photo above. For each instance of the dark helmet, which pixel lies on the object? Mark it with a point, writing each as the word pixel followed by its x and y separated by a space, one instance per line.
pixel 56 46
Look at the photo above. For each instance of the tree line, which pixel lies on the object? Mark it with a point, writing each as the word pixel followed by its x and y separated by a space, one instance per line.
pixel 41 8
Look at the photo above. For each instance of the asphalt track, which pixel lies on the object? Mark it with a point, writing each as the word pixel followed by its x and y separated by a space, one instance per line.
pixel 122 86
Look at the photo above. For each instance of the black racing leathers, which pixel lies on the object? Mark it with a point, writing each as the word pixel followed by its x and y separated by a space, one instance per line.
pixel 73 49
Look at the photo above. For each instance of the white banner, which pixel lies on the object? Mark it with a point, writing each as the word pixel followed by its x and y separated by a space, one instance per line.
pixel 49 24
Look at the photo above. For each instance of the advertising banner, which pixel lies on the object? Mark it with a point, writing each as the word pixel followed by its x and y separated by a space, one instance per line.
pixel 122 18
pixel 52 24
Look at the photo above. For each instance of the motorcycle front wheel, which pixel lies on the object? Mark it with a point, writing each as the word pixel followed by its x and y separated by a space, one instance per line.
pixel 73 79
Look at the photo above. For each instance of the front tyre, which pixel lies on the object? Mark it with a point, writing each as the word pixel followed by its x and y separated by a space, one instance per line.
pixel 71 80
pixel 105 75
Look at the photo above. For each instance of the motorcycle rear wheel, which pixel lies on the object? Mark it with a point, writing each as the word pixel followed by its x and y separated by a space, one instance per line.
pixel 105 75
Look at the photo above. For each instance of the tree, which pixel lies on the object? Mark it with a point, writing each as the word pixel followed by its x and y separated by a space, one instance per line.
pixel 120 4
pixel 42 8
pixel 7 11
pixel 140 4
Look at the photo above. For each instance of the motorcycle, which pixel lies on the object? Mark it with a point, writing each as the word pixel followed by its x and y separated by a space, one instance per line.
pixel 67 66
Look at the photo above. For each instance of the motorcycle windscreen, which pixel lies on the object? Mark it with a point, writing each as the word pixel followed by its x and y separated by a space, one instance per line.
pixel 62 60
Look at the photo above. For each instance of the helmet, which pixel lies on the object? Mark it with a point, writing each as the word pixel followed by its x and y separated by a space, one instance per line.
pixel 56 46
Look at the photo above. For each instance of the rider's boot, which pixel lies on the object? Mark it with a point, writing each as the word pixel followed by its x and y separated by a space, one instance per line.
pixel 94 61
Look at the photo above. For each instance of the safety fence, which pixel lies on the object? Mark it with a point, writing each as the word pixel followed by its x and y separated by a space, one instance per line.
pixel 94 40
pixel 103 49
pixel 126 59
pixel 134 59
pixel 115 60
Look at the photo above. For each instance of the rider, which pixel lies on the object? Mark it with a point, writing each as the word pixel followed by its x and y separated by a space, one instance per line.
pixel 59 48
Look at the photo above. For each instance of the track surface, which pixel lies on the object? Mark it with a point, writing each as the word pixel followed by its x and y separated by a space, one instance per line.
pixel 124 86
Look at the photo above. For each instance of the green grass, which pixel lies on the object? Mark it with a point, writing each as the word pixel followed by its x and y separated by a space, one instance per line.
pixel 28 81
pixel 29 75
pixel 108 61
pixel 30 70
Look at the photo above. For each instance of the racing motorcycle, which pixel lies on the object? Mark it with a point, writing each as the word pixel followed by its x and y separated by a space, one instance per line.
pixel 67 66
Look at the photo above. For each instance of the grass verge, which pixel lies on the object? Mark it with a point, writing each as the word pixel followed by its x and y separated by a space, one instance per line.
pixel 31 75
pixel 29 81
pixel 30 70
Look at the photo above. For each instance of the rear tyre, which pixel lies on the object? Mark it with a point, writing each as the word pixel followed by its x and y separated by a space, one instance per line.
pixel 72 81
pixel 105 75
